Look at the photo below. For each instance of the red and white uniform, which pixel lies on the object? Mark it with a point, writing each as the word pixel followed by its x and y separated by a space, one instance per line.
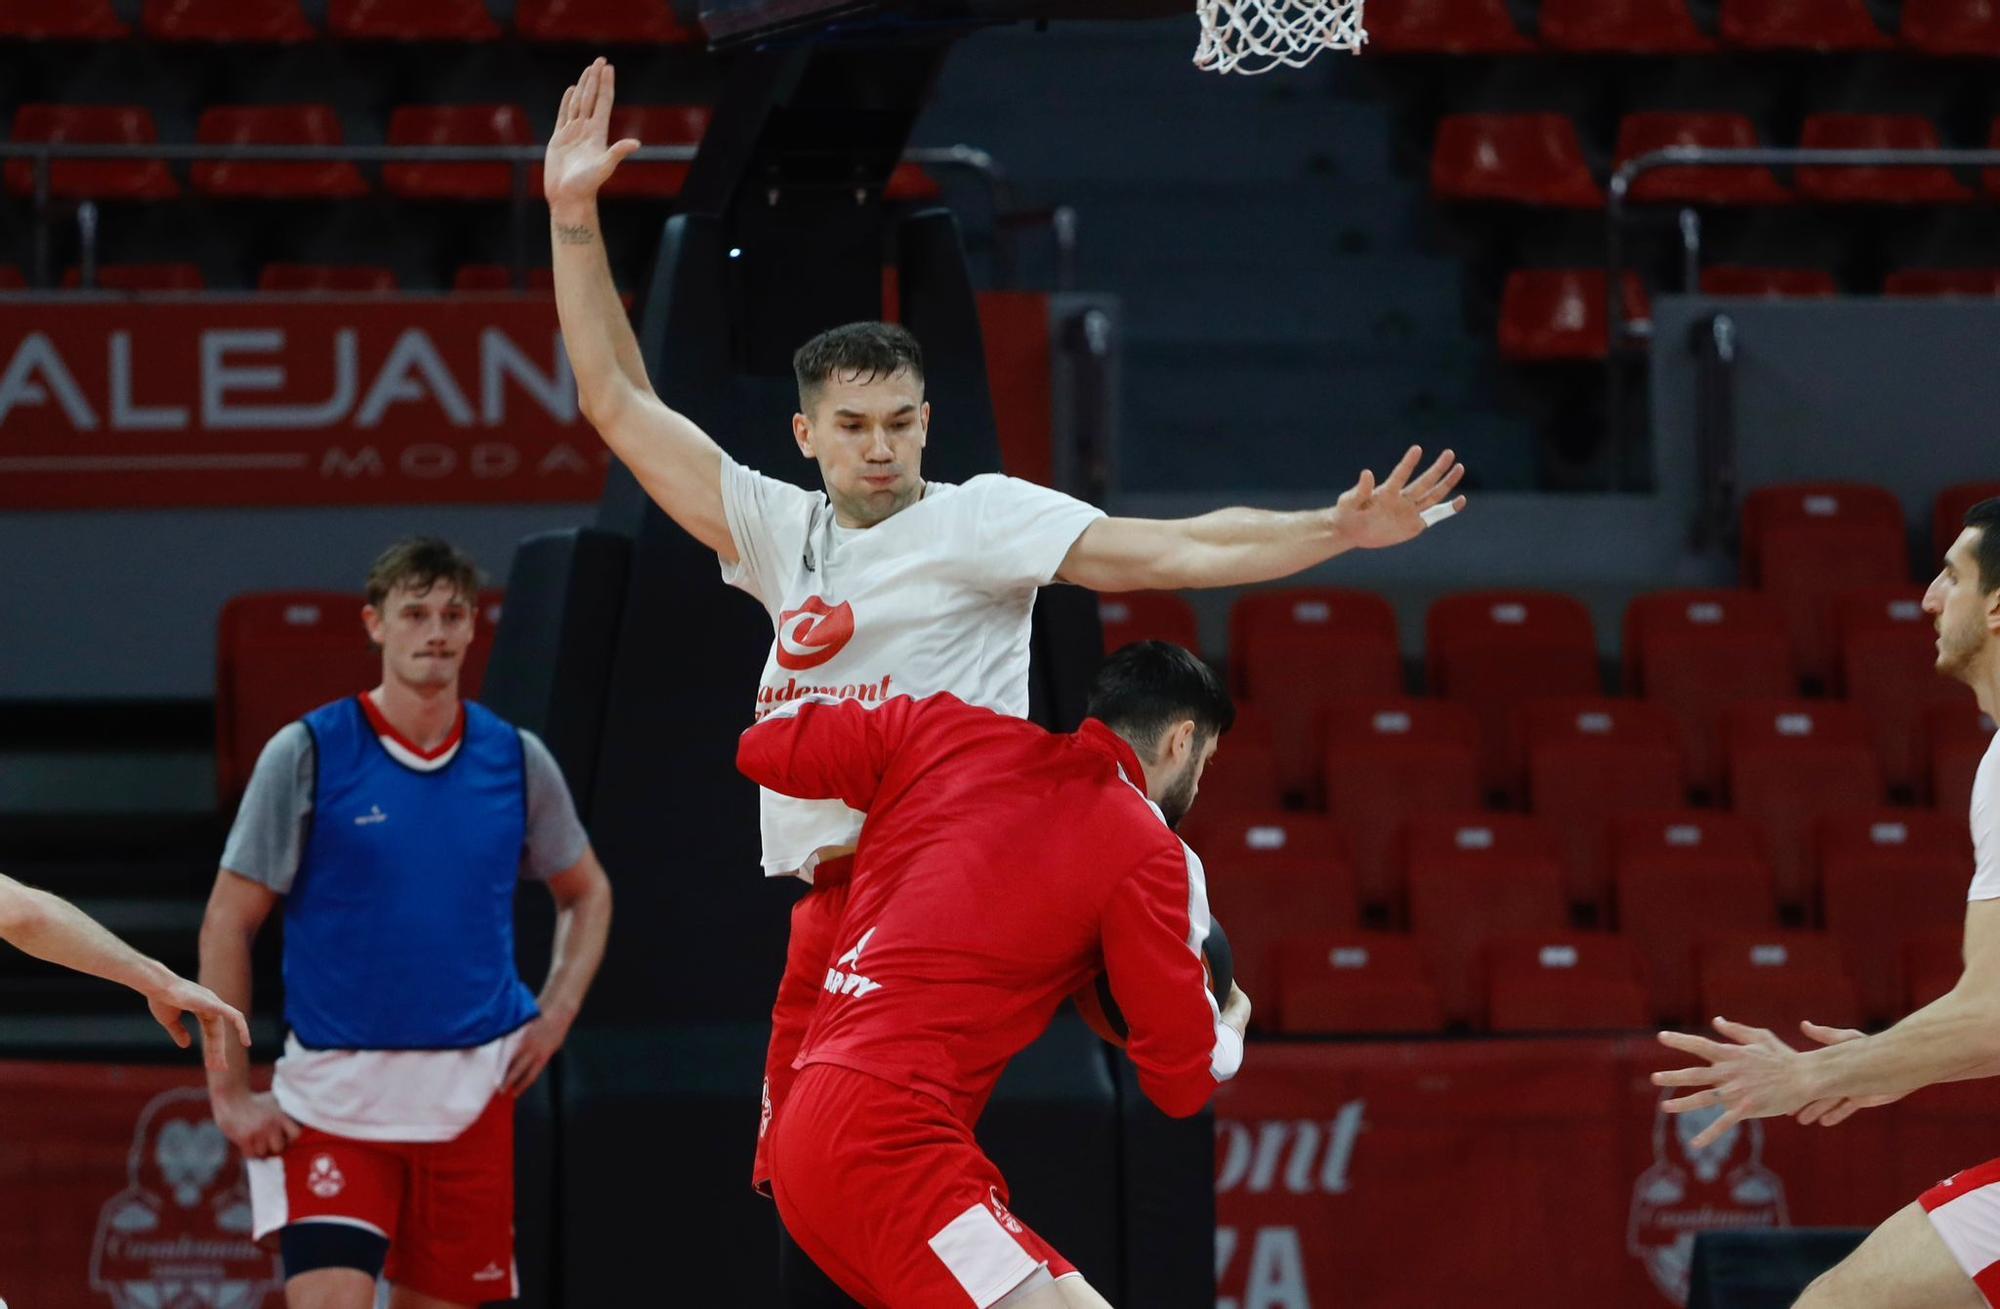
pixel 938 597
pixel 1965 1208
pixel 1001 867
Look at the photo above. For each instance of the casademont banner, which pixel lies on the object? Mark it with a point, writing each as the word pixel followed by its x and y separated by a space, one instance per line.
pixel 267 401
pixel 1526 1174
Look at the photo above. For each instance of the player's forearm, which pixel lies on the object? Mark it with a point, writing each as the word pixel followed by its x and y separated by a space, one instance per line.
pixel 603 353
pixel 52 929
pixel 583 926
pixel 225 970
pixel 1954 1038
pixel 1236 547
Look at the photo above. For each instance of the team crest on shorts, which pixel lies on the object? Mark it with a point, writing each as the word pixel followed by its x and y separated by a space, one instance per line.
pixel 1007 1220
pixel 179 1233
pixel 1723 1186
pixel 324 1178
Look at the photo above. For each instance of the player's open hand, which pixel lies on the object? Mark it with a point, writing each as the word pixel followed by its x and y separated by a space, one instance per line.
pixel 1837 1109
pixel 539 1042
pixel 1758 1076
pixel 220 1023
pixel 579 160
pixel 1371 516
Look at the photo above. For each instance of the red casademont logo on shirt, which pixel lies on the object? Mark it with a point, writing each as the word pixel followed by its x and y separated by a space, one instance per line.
pixel 813 633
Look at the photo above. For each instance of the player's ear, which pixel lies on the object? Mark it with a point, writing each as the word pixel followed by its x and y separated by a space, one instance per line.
pixel 371 619
pixel 923 424
pixel 802 432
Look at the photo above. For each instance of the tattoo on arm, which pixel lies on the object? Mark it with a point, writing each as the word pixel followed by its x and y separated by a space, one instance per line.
pixel 574 234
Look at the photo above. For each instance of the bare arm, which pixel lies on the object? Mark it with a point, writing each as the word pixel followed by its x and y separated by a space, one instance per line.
pixel 583 923
pixel 50 928
pixel 677 462
pixel 1234 547
pixel 237 908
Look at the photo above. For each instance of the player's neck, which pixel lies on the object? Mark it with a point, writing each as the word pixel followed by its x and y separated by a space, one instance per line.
pixel 423 716
pixel 1985 685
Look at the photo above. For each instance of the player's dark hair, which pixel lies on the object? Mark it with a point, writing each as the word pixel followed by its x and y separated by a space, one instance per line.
pixel 1145 688
pixel 856 352
pixel 1986 517
pixel 421 562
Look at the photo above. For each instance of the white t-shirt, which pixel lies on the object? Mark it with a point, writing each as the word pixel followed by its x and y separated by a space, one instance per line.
pixel 938 597
pixel 1986 826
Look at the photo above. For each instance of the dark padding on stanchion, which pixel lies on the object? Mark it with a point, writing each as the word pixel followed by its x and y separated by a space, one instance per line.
pixel 1764 1270
pixel 1168 1179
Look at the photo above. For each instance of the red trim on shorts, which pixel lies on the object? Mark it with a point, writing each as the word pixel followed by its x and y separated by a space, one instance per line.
pixel 1960 1184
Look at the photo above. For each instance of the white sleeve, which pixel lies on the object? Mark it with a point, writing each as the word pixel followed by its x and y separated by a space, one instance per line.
pixel 768 522
pixel 1018 532
pixel 1986 827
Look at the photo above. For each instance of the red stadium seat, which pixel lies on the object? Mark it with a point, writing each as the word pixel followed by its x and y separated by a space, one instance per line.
pixel 1492 650
pixel 1564 982
pixel 141 277
pixel 437 125
pixel 602 22
pixel 1474 877
pixel 1804 544
pixel 1634 27
pixel 911 184
pixel 1978 283
pixel 327 279
pixel 1823 25
pixel 655 125
pixel 1895 186
pixel 1243 775
pixel 1932 964
pixel 276 22
pixel 399 20
pixel 1147 616
pixel 1266 898
pixel 1774 979
pixel 1885 876
pixel 1554 314
pixel 312 124
pixel 1588 759
pixel 1528 159
pixel 1696 652
pixel 1293 649
pixel 1959 739
pixel 1390 761
pixel 1640 134
pixel 11 278
pixel 499 277
pixel 100 179
pixel 1888 670
pixel 79 20
pixel 1952 27
pixel 1948 514
pixel 1792 763
pixel 1679 878
pixel 1225 838
pixel 281 654
pixel 1768 283
pixel 1446 27
pixel 1354 983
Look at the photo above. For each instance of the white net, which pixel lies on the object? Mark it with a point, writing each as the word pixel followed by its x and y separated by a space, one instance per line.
pixel 1255 36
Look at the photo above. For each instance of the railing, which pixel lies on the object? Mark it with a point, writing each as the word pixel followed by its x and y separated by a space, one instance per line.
pixel 523 160
pixel 1715 336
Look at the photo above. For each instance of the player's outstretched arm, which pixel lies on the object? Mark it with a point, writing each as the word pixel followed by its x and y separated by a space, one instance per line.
pixel 51 928
pixel 677 462
pixel 1235 547
pixel 1755 1075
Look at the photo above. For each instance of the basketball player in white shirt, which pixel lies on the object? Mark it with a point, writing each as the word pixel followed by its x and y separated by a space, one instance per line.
pixel 887 584
pixel 1943 1251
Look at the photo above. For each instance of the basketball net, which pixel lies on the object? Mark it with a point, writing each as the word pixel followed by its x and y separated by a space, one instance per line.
pixel 1255 36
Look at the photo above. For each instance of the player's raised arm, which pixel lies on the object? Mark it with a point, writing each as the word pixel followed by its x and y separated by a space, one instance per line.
pixel 677 462
pixel 1236 547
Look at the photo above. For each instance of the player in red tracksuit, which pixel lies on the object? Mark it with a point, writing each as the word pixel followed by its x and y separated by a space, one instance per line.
pixel 1001 868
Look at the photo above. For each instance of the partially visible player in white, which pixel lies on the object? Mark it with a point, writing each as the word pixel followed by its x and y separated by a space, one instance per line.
pixel 50 928
pixel 887 584
pixel 1943 1251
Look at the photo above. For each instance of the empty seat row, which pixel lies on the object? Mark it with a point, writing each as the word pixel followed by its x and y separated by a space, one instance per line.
pixel 1377 983
pixel 1667 27
pixel 319 125
pixel 1538 159
pixel 284 22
